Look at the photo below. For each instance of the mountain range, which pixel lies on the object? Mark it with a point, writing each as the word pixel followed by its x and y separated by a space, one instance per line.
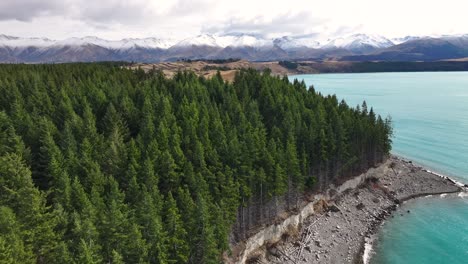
pixel 356 47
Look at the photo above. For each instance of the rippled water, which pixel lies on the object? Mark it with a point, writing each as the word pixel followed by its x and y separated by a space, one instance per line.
pixel 430 120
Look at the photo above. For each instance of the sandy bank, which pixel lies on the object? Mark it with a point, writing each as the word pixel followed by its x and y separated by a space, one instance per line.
pixel 337 230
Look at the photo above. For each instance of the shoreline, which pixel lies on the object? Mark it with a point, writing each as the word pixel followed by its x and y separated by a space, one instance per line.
pixel 370 240
pixel 368 247
pixel 344 230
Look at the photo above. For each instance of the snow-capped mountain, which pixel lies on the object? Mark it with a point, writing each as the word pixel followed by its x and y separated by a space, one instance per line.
pixel 360 43
pixel 244 40
pixel 149 43
pixel 398 41
pixel 223 41
pixel 290 43
pixel 457 40
pixel 233 45
pixel 16 42
pixel 200 40
pixel 124 44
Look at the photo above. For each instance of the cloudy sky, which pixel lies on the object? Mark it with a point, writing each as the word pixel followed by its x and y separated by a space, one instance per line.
pixel 116 19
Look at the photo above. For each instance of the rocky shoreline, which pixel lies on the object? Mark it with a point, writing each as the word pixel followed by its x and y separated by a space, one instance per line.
pixel 341 228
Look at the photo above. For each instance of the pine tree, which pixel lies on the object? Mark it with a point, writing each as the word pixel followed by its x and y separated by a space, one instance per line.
pixel 176 243
pixel 29 205
pixel 151 222
pixel 86 254
pixel 204 241
pixel 295 179
pixel 117 258
pixel 13 248
pixel 166 167
pixel 135 248
pixel 10 142
pixel 114 222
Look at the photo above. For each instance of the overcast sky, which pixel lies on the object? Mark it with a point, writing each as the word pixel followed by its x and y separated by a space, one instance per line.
pixel 116 19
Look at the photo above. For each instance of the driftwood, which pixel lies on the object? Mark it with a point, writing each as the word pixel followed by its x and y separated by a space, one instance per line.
pixel 287 256
pixel 305 240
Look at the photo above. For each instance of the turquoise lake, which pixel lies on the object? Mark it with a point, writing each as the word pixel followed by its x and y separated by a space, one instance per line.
pixel 430 120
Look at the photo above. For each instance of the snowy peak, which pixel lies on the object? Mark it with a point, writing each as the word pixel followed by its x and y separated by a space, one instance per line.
pixel 402 40
pixel 6 37
pixel 82 42
pixel 450 38
pixel 124 44
pixel 291 43
pixel 223 41
pixel 16 42
pixel 360 41
pixel 244 40
pixel 148 43
pixel 200 40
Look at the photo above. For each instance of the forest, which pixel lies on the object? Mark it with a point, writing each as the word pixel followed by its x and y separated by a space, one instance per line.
pixel 103 164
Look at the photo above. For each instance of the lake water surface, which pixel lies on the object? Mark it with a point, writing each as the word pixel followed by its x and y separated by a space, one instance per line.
pixel 430 121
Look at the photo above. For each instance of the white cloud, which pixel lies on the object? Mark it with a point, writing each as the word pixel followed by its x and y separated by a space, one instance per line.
pixel 280 25
pixel 26 10
pixel 116 19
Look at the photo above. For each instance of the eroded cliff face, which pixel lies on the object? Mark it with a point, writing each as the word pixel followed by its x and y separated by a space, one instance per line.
pixel 271 234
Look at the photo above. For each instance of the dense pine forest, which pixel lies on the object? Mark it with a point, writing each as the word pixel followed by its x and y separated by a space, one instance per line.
pixel 102 164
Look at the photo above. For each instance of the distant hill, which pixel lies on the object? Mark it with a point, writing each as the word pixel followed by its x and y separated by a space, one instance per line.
pixel 357 47
pixel 426 49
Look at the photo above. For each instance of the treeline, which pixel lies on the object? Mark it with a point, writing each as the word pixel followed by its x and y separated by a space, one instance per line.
pixel 214 61
pixel 291 65
pixel 216 68
pixel 101 164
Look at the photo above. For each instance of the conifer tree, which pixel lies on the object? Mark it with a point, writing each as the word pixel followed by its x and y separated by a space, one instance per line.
pixel 12 246
pixel 176 243
pixel 205 244
pixel 36 219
